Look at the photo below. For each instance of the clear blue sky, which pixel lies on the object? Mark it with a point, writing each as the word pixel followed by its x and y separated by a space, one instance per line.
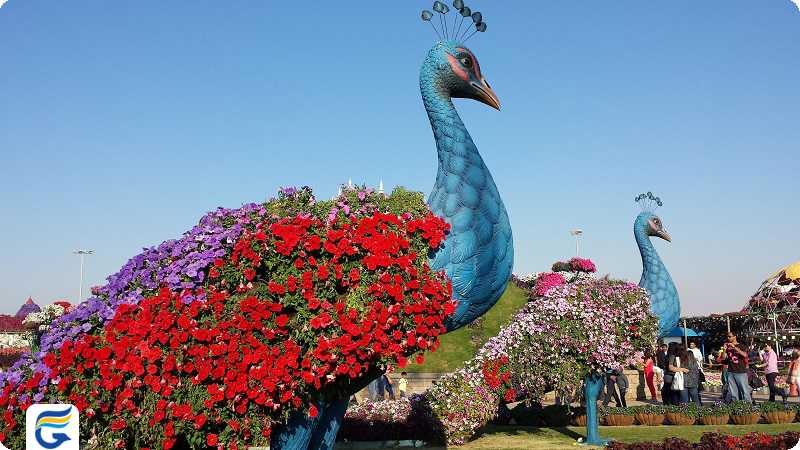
pixel 121 123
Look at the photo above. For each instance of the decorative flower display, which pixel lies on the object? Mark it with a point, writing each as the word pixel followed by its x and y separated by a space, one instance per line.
pixel 255 314
pixel 43 318
pixel 717 441
pixel 389 420
pixel 568 329
pixel 14 340
pixel 582 265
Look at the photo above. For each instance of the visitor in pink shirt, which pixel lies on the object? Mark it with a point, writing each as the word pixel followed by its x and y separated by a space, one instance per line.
pixel 770 369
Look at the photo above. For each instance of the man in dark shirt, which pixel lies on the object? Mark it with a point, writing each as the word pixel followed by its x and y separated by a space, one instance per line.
pixel 661 357
pixel 735 357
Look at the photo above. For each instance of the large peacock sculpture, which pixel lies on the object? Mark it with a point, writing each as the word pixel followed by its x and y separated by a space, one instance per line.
pixel 257 326
pixel 655 277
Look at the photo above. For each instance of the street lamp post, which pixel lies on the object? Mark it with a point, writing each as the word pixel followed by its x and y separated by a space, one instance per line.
pixel 82 254
pixel 577 233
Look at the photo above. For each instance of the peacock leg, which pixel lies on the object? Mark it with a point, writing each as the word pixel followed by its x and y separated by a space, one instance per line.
pixel 296 434
pixel 324 437
pixel 592 386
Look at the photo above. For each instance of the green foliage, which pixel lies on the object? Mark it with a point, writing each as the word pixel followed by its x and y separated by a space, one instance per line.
pixel 768 407
pixel 743 408
pixel 618 411
pixel 690 409
pixel 715 410
pixel 650 409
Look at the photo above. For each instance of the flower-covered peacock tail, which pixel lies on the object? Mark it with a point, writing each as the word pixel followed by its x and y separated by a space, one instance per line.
pixel 255 315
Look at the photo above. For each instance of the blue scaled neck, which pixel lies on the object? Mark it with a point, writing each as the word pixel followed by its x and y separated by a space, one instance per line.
pixel 656 279
pixel 478 254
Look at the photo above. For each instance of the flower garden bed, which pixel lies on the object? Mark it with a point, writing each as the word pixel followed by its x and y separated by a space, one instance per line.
pixel 681 415
pixel 650 415
pixel 412 419
pixel 717 441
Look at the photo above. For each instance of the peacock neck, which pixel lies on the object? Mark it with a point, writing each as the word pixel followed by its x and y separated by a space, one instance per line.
pixel 651 261
pixel 452 137
pixel 478 254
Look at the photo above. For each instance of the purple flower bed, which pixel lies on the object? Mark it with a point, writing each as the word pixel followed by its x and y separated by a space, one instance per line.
pixel 390 420
pixel 177 264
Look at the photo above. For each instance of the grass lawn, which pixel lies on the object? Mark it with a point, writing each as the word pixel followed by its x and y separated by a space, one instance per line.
pixel 515 437
pixel 457 346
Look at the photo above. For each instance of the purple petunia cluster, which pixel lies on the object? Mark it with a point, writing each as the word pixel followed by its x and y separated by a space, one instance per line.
pixel 177 264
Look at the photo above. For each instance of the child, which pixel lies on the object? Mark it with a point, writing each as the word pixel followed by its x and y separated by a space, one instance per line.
pixel 402 385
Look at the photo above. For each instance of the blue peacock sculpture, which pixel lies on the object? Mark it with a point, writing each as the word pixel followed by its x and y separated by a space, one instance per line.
pixel 164 286
pixel 665 304
pixel 478 254
pixel 655 277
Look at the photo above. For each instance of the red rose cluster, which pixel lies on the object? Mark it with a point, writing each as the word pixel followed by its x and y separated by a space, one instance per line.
pixel 300 307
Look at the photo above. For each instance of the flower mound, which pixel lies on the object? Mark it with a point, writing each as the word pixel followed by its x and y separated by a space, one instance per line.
pixel 300 304
pixel 571 326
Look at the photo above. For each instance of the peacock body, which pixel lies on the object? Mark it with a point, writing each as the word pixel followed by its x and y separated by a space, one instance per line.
pixel 664 300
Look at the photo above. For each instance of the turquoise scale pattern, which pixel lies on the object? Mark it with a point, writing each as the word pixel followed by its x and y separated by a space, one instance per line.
pixel 656 279
pixel 478 254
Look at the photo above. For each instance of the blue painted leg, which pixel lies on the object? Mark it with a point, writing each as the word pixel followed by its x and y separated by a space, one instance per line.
pixel 592 386
pixel 324 437
pixel 297 433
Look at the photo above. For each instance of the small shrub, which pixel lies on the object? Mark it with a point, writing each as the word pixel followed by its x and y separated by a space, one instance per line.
pixel 743 408
pixel 715 410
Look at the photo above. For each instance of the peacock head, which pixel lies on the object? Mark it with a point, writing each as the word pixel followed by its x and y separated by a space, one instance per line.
pixel 454 71
pixel 651 225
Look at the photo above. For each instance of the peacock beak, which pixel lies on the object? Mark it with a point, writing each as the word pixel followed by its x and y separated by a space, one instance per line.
pixel 664 235
pixel 485 94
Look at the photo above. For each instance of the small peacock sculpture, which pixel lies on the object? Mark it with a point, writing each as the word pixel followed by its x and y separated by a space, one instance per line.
pixel 655 277
pixel 166 287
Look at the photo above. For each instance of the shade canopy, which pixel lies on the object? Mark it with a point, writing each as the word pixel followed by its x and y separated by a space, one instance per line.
pixel 679 332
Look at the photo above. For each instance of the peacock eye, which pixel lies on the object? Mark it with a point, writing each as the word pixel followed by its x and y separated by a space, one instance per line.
pixel 466 61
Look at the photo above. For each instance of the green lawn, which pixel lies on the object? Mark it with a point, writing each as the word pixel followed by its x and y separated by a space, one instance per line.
pixel 514 437
pixel 532 438
pixel 458 347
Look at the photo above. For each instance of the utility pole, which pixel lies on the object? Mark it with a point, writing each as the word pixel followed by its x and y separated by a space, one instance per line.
pixel 577 233
pixel 82 254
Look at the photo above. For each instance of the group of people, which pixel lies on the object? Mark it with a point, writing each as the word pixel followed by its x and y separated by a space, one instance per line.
pixel 382 387
pixel 679 371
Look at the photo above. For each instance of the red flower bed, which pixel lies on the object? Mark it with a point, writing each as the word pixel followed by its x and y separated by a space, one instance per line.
pixel 295 313
pixel 717 441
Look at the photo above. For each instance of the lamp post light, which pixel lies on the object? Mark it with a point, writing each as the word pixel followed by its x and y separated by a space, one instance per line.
pixel 577 233
pixel 82 254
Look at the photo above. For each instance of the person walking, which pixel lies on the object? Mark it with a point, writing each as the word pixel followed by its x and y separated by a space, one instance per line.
pixel 736 360
pixel 679 366
pixel 611 389
pixel 649 374
pixel 692 380
pixel 771 371
pixel 402 385
pixel 667 396
pixel 387 384
pixel 622 385
pixel 794 373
